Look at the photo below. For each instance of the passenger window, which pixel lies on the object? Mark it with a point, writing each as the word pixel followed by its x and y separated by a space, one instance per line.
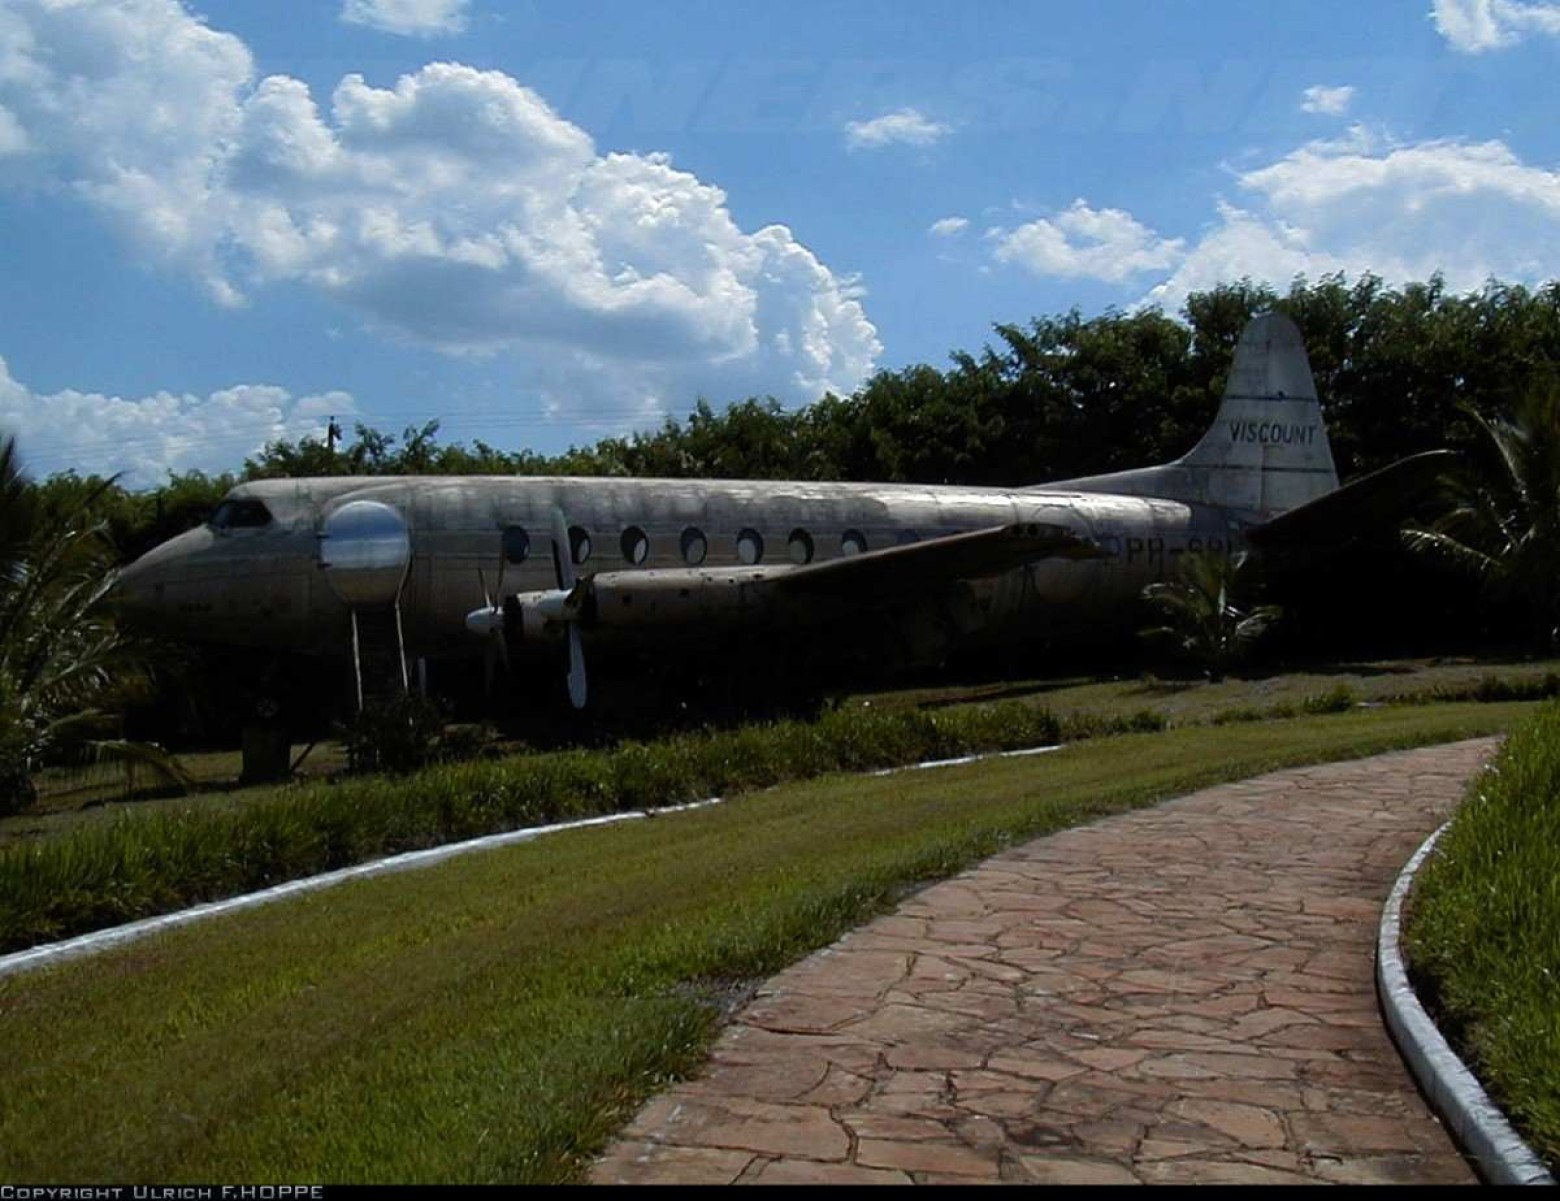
pixel 516 543
pixel 240 515
pixel 635 545
pixel 801 547
pixel 694 546
pixel 750 546
pixel 852 542
pixel 579 543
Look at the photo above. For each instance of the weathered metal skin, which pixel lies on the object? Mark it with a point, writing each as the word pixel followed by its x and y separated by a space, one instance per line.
pixel 454 532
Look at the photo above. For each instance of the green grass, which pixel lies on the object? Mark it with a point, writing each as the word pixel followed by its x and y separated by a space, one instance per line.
pixel 1194 702
pixel 1483 931
pixel 165 859
pixel 495 1018
pixel 77 799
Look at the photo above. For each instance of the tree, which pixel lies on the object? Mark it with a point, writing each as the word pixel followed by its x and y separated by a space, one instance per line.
pixel 1202 620
pixel 1502 520
pixel 63 663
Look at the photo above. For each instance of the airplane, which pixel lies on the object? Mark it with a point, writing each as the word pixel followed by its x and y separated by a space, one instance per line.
pixel 335 566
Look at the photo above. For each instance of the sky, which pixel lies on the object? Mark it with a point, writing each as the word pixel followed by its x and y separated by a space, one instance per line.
pixel 541 223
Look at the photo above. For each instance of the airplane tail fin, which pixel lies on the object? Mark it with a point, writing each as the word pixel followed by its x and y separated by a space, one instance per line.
pixel 1267 450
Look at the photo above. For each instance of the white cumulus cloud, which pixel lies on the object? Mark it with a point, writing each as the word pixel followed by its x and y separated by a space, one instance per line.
pixel 902 127
pixel 1084 242
pixel 1469 210
pixel 413 18
pixel 144 438
pixel 948 227
pixel 454 209
pixel 1332 102
pixel 1474 26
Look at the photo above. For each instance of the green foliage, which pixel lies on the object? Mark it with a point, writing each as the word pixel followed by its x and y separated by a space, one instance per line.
pixel 1483 930
pixel 1497 688
pixel 1502 524
pixel 1338 699
pixel 1203 623
pixel 397 735
pixel 64 666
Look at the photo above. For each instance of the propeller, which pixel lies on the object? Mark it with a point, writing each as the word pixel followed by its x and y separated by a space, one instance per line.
pixel 562 606
pixel 489 621
pixel 573 590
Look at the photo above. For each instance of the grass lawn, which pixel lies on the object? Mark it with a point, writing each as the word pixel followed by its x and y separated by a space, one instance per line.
pixel 87 797
pixel 1191 702
pixel 1482 934
pixel 495 1018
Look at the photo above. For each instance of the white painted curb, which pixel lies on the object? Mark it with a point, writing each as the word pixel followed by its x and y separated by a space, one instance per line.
pixel 962 759
pixel 101 940
pixel 1480 1128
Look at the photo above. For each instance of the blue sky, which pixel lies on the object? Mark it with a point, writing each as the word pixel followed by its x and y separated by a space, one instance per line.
pixel 542 222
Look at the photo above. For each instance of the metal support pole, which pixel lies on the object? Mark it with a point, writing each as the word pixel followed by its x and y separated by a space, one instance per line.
pixel 357 666
pixel 400 648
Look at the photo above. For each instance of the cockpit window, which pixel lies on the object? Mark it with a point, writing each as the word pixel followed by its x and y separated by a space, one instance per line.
pixel 240 515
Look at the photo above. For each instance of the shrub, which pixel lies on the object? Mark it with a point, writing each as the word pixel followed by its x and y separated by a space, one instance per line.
pixel 1337 699
pixel 397 735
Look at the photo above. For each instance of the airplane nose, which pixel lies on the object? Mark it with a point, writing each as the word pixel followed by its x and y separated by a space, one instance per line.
pixel 139 590
pixel 134 588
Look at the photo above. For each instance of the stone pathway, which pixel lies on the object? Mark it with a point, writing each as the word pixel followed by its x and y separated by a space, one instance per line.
pixel 1179 995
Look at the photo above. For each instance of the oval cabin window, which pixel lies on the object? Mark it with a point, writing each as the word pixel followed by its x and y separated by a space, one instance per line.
pixel 801 547
pixel 852 542
pixel 517 544
pixel 579 543
pixel 694 546
pixel 750 547
pixel 636 545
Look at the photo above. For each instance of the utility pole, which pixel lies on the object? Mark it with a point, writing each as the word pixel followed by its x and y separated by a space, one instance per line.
pixel 332 432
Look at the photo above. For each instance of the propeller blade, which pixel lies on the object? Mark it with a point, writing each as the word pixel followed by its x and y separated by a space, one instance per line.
pixel 563 551
pixel 576 668
pixel 492 621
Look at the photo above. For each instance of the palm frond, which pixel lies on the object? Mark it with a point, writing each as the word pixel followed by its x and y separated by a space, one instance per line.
pixel 141 754
pixel 64 665
pixel 1451 551
pixel 1502 523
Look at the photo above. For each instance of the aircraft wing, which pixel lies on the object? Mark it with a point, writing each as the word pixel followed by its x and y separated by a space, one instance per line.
pixel 917 565
pixel 1380 501
pixel 685 595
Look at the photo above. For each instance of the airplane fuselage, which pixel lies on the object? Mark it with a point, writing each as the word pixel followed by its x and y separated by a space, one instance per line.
pixel 486 566
pixel 268 583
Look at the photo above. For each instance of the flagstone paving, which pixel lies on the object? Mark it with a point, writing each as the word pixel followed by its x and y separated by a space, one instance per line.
pixel 1179 995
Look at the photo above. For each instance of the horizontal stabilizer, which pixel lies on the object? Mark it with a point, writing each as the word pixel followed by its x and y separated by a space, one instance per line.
pixel 917 566
pixel 1380 501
